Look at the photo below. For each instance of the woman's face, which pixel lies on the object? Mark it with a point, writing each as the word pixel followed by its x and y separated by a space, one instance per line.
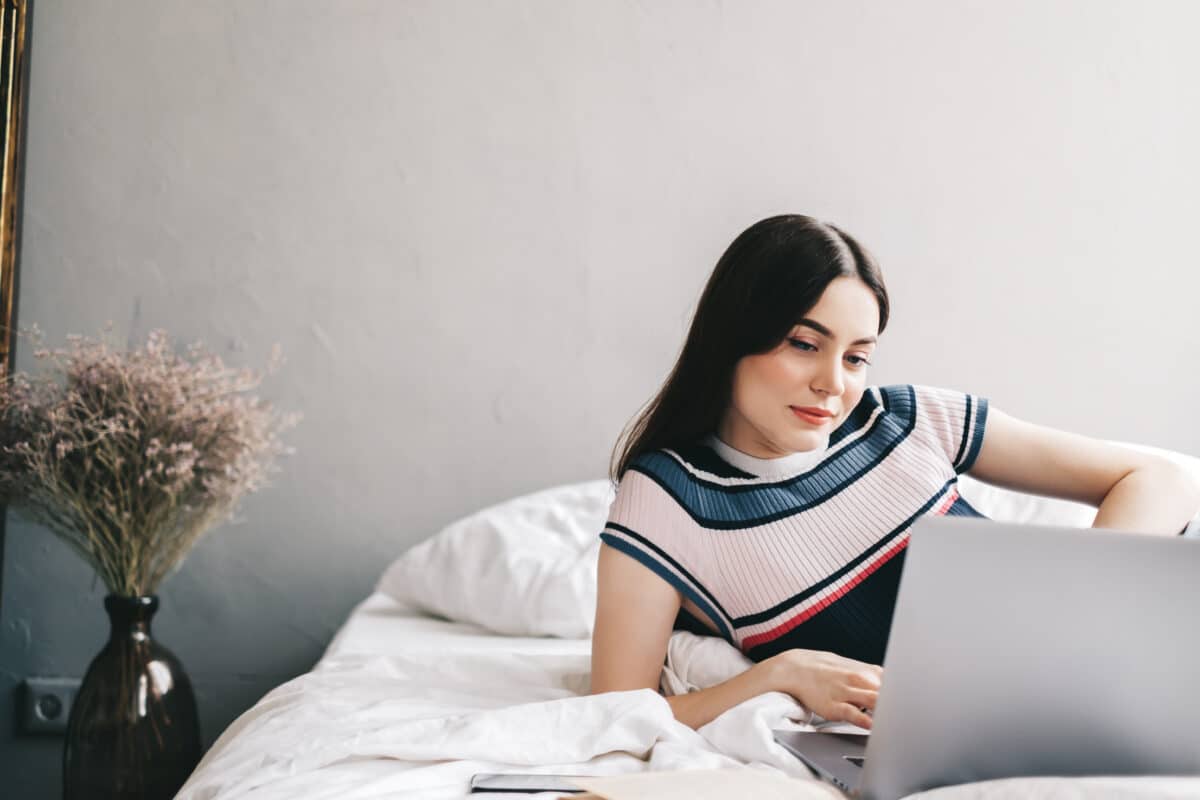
pixel 821 363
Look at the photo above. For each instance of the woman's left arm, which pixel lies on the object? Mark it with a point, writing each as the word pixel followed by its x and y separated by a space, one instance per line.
pixel 1133 490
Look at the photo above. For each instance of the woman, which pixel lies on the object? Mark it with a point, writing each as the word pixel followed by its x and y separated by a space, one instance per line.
pixel 765 494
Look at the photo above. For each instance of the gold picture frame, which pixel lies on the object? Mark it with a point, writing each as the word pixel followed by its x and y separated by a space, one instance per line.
pixel 14 79
pixel 14 83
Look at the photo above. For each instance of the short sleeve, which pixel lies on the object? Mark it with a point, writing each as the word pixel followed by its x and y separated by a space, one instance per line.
pixel 646 523
pixel 953 422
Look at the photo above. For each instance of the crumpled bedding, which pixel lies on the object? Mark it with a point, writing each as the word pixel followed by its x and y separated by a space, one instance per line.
pixel 413 708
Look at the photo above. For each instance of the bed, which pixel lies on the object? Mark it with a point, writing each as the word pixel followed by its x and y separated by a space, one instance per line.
pixel 472 655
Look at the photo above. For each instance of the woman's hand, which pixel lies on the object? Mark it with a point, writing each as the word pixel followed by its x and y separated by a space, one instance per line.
pixel 837 688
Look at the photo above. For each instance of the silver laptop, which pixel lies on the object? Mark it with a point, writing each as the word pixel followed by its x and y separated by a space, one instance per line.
pixel 1028 650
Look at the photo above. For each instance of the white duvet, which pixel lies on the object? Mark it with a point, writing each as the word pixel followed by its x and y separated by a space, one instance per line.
pixel 406 706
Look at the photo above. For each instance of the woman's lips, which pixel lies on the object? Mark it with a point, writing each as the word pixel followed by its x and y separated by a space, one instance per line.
pixel 812 419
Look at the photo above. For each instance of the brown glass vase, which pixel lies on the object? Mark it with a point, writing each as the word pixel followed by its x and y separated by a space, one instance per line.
pixel 133 730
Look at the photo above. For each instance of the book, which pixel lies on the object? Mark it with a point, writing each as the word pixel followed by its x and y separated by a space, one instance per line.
pixel 703 784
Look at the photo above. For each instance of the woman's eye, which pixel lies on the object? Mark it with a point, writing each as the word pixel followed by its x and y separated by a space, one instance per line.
pixel 805 347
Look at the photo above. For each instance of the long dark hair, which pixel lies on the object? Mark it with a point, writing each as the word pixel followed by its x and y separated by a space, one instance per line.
pixel 772 274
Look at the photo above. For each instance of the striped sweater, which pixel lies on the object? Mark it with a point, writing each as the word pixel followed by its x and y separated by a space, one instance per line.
pixel 805 550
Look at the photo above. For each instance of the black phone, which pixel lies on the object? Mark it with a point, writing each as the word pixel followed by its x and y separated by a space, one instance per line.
pixel 514 782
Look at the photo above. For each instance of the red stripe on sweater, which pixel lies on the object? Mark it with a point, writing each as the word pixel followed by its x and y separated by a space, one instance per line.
pixel 824 603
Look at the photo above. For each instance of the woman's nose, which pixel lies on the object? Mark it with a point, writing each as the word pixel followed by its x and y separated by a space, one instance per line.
pixel 829 380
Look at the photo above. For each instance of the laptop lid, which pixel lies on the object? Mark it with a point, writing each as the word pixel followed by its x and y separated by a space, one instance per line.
pixel 1036 650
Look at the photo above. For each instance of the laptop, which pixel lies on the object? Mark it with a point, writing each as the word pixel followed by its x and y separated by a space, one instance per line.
pixel 1021 650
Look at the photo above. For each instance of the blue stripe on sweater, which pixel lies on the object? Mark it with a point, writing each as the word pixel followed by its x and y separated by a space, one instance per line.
pixel 721 507
pixel 976 439
pixel 960 508
pixel 701 601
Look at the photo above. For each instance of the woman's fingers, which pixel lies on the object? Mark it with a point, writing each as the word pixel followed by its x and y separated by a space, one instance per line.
pixel 862 698
pixel 852 714
pixel 867 678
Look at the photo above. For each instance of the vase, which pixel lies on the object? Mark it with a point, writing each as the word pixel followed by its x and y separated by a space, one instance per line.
pixel 133 730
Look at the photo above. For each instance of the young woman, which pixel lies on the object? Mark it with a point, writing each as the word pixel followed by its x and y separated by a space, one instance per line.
pixel 766 493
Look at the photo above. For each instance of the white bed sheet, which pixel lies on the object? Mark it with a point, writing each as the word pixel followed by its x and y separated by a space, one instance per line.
pixel 382 625
pixel 404 705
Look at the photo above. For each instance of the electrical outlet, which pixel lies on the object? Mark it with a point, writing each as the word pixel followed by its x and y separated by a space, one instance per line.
pixel 48 704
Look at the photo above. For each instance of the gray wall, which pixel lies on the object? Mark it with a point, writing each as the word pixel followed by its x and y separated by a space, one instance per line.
pixel 478 231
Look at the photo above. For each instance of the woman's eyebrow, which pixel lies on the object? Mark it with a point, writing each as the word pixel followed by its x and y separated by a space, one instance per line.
pixel 821 329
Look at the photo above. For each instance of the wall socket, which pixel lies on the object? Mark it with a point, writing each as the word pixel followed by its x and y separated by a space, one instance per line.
pixel 47 704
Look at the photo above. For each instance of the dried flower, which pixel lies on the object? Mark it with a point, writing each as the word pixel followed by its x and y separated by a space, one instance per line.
pixel 130 456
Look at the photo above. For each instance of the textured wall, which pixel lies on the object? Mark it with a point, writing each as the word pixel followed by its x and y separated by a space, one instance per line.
pixel 478 231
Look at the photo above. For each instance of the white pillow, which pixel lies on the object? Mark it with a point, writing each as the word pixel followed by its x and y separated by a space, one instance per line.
pixel 524 567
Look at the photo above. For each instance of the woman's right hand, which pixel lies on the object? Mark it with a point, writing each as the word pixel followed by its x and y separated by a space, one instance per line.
pixel 835 687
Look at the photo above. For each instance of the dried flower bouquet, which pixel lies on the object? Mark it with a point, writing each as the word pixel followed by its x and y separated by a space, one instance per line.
pixel 129 456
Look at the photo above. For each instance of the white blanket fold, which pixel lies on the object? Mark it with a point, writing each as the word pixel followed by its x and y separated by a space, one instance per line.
pixel 374 726
pixel 500 713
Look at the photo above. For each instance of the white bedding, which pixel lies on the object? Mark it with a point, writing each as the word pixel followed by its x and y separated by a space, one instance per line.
pixel 404 705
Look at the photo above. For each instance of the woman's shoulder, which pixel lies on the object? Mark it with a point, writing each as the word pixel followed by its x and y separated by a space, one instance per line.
pixel 921 398
pixel 894 396
pixel 693 461
pixel 950 421
pixel 918 389
pixel 651 491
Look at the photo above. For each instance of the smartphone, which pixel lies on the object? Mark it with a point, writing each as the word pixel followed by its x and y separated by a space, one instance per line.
pixel 511 782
